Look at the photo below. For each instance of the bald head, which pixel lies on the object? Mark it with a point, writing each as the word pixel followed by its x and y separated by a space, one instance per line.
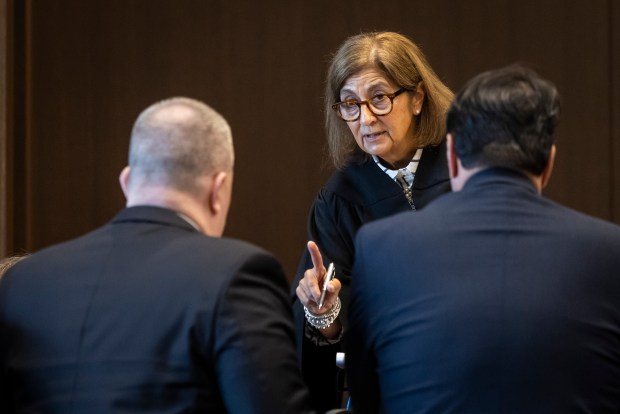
pixel 176 142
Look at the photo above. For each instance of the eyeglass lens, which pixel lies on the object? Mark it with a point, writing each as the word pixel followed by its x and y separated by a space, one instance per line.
pixel 379 105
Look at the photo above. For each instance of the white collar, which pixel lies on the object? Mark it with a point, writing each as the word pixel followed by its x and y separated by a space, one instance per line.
pixel 189 221
pixel 408 172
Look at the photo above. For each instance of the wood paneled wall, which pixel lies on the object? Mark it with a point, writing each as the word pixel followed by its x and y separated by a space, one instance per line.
pixel 4 154
pixel 84 70
pixel 614 109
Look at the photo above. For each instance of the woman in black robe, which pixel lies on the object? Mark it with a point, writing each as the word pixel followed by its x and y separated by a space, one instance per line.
pixel 385 119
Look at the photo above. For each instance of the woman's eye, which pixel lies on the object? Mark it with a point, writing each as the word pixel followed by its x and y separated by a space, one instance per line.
pixel 378 97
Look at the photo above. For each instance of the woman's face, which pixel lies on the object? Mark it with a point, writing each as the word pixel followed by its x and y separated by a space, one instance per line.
pixel 391 136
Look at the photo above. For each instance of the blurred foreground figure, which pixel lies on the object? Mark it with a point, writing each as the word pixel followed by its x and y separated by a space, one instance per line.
pixel 492 299
pixel 154 312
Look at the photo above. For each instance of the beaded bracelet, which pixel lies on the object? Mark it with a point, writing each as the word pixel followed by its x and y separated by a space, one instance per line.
pixel 323 321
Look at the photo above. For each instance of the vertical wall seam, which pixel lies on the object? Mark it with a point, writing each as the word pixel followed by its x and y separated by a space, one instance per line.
pixel 612 120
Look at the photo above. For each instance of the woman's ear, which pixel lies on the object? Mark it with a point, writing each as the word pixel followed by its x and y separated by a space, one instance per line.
pixel 418 98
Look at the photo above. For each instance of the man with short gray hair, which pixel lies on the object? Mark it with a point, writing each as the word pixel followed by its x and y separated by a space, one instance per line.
pixel 154 312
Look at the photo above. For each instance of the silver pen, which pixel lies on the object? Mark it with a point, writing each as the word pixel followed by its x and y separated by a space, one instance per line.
pixel 331 270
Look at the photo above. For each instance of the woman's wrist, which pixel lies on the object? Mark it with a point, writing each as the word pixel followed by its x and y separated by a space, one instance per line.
pixel 333 331
pixel 325 320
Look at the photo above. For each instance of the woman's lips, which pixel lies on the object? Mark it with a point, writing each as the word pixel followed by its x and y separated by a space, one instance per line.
pixel 373 136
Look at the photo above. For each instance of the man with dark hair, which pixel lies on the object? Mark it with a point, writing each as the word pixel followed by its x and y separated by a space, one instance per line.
pixel 493 299
pixel 154 312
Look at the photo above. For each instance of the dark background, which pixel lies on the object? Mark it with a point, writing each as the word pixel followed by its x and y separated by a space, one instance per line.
pixel 75 74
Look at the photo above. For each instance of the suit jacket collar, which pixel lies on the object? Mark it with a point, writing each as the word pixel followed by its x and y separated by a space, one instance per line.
pixel 152 214
pixel 499 175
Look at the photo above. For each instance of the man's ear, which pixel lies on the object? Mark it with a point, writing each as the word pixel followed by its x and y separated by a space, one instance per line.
pixel 216 199
pixel 453 165
pixel 546 174
pixel 123 179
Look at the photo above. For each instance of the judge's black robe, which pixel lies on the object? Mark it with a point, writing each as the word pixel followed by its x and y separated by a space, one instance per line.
pixel 355 195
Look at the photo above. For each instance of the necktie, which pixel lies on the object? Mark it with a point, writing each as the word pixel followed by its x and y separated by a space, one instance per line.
pixel 405 177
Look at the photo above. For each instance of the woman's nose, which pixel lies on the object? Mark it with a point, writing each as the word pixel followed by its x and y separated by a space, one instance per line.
pixel 366 115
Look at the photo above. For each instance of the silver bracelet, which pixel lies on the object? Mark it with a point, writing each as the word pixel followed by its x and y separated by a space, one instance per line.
pixel 323 321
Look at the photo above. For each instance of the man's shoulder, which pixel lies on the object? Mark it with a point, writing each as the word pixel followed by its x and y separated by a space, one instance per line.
pixel 177 247
pixel 240 247
pixel 582 223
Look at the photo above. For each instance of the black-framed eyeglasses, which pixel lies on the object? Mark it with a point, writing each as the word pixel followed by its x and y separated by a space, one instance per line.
pixel 380 104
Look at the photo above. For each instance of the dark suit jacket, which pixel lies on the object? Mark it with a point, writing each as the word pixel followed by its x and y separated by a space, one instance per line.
pixel 492 300
pixel 358 194
pixel 146 314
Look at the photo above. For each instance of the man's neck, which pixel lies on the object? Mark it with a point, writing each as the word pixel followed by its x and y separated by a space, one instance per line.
pixel 179 202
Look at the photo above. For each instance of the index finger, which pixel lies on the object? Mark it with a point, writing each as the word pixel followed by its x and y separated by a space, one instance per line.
pixel 317 259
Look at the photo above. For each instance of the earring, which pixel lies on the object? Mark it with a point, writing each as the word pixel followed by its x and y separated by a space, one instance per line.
pixel 417 112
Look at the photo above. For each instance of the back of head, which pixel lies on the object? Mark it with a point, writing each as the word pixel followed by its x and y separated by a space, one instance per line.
pixel 505 118
pixel 402 61
pixel 175 142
